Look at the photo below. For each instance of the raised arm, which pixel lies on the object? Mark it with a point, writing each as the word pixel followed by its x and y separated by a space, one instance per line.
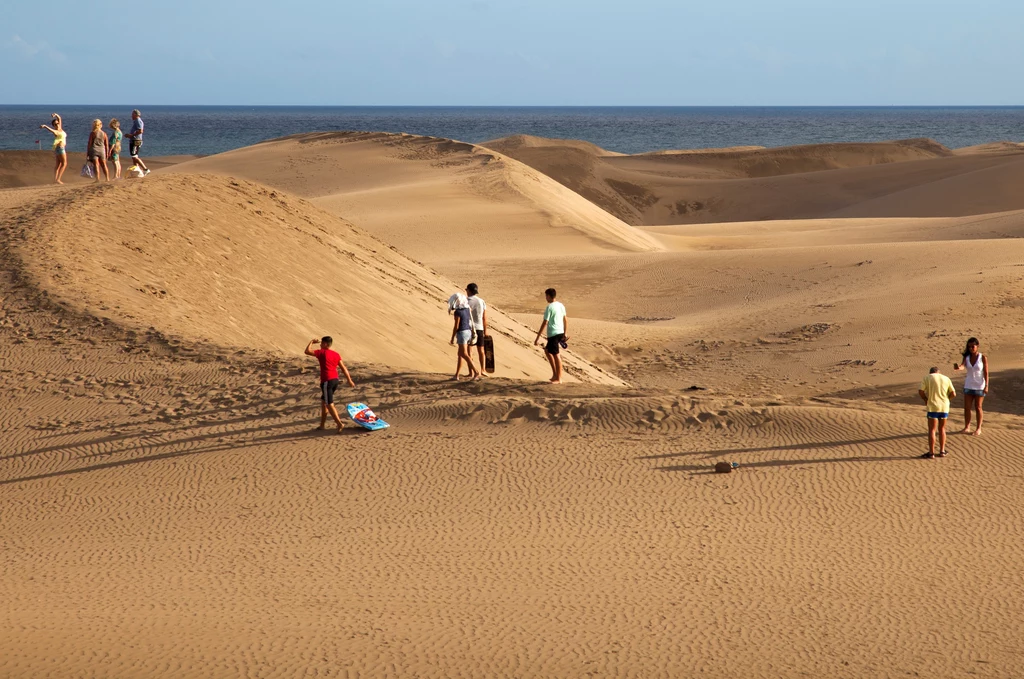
pixel 309 347
pixel 47 127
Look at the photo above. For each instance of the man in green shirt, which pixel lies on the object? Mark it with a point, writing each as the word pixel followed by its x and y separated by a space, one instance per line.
pixel 557 325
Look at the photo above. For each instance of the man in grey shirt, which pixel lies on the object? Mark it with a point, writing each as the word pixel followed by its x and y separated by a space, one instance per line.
pixel 135 140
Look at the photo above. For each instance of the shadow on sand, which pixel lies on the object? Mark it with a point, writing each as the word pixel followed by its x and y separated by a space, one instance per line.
pixel 707 468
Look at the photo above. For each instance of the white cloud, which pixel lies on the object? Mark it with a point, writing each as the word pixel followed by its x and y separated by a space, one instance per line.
pixel 30 51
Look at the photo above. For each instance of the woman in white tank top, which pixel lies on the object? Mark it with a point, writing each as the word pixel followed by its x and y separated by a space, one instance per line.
pixel 975 384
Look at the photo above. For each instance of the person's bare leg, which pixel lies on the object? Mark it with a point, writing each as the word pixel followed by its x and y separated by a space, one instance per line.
pixel 557 365
pixel 931 435
pixel 138 161
pixel 117 169
pixel 63 167
pixel 56 170
pixel 458 365
pixel 480 355
pixel 106 170
pixel 942 437
pixel 323 415
pixel 337 419
pixel 551 362
pixel 473 372
pixel 468 358
pixel 96 168
pixel 968 404
pixel 978 411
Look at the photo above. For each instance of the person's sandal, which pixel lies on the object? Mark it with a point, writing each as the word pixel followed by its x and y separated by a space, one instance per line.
pixel 928 456
pixel 942 453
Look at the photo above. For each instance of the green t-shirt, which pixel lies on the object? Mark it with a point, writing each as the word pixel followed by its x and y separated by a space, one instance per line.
pixel 555 316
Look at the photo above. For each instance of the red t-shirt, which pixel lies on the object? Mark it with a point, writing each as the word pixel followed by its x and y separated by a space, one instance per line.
pixel 329 361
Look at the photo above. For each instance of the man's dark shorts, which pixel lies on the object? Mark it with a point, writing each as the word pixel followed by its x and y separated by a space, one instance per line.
pixel 479 337
pixel 327 390
pixel 133 147
pixel 552 347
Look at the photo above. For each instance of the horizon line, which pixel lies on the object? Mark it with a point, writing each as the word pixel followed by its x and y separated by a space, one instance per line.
pixel 530 106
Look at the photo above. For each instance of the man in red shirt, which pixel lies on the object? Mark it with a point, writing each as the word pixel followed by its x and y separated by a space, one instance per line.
pixel 330 361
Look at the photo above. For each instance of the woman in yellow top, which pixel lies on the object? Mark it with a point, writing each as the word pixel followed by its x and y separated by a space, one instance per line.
pixel 60 147
pixel 115 146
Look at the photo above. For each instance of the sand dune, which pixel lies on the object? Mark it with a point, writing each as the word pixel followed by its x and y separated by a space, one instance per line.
pixel 912 178
pixel 169 511
pixel 522 143
pixel 240 265
pixel 430 196
pixel 35 168
pixel 187 506
pixel 992 147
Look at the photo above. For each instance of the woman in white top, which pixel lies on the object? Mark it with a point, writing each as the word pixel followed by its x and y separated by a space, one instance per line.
pixel 975 383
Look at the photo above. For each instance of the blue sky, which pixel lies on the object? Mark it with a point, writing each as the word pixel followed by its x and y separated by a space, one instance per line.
pixel 514 52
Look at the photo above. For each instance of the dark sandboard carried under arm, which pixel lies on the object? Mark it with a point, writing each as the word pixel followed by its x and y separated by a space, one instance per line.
pixel 488 354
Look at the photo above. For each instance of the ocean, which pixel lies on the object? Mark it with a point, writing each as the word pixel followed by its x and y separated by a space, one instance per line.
pixel 204 130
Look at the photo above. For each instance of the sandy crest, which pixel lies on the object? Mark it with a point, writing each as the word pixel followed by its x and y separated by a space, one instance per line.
pixel 35 168
pixel 429 195
pixel 168 510
pixel 909 178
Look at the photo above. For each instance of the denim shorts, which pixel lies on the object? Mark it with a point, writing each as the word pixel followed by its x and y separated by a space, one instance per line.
pixel 974 392
pixel 937 416
pixel 463 336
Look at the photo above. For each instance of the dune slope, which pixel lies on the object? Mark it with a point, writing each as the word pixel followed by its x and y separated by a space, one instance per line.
pixel 241 265
pixel 923 178
pixel 430 196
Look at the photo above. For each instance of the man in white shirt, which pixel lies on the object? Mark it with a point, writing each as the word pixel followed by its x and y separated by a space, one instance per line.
pixel 478 314
pixel 557 325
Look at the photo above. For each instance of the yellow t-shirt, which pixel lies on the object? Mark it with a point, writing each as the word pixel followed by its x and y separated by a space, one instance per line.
pixel 60 139
pixel 938 389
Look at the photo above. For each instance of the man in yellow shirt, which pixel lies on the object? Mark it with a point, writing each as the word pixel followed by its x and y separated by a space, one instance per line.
pixel 936 390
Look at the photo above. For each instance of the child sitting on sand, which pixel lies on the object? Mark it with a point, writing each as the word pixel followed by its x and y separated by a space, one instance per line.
pixel 330 361
pixel 936 390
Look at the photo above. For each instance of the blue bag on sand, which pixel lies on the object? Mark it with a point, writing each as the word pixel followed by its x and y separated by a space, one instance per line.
pixel 87 171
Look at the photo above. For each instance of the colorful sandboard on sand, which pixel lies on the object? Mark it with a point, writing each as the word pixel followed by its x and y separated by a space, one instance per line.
pixel 364 417
pixel 488 354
